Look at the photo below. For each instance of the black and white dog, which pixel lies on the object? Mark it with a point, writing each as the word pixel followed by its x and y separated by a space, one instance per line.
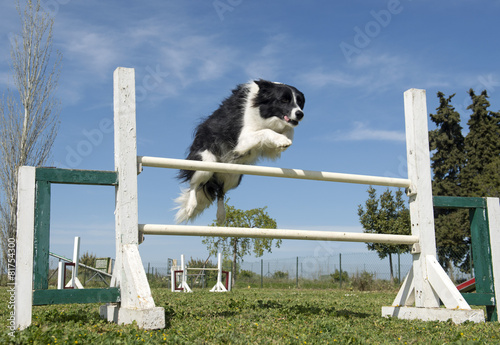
pixel 256 121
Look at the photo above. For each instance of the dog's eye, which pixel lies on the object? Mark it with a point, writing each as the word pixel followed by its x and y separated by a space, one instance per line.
pixel 284 100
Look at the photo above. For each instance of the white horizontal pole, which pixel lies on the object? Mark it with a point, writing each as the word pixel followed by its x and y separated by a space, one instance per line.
pixel 173 163
pixel 190 230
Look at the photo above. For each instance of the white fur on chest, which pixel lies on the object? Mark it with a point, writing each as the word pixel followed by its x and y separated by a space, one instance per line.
pixel 261 137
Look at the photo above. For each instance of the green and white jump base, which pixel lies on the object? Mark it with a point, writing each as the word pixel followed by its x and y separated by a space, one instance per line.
pixel 420 297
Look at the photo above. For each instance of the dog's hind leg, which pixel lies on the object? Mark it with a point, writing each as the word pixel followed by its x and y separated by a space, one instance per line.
pixel 194 199
pixel 198 196
pixel 221 210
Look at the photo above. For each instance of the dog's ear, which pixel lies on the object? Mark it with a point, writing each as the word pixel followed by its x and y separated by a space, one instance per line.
pixel 263 84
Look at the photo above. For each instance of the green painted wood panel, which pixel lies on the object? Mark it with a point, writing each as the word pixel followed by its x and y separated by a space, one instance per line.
pixel 481 251
pixel 41 236
pixel 69 176
pixel 458 202
pixel 480 298
pixel 66 296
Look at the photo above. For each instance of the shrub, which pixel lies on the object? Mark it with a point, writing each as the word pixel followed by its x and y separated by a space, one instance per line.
pixel 280 275
pixel 336 276
pixel 246 274
pixel 363 281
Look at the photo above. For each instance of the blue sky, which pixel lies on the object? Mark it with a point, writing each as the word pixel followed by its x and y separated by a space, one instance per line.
pixel 352 59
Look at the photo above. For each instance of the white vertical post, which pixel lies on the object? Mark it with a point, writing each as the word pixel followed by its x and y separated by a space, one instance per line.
pixel 184 283
pixel 76 256
pixel 24 247
pixel 60 275
pixel 421 206
pixel 493 206
pixel 136 301
pixel 172 279
pixel 219 287
pixel 427 283
pixel 219 268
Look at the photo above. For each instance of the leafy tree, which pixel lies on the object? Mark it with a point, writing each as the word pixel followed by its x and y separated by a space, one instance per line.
pixel 28 116
pixel 480 175
pixel 88 259
pixel 447 145
pixel 200 263
pixel 239 247
pixel 386 215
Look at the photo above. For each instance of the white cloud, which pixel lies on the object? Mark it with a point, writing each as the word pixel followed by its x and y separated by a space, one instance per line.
pixel 361 132
pixel 334 78
pixel 95 50
pixel 268 61
pixel 367 72
pixel 194 58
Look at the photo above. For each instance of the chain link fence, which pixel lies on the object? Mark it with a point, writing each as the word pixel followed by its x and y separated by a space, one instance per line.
pixel 320 270
pixel 312 271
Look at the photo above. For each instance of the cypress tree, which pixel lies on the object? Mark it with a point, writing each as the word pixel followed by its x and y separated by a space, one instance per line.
pixel 448 158
pixel 480 175
pixel 447 144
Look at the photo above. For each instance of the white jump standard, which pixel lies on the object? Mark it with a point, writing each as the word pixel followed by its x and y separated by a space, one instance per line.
pixel 183 271
pixel 425 285
pixel 424 288
pixel 427 282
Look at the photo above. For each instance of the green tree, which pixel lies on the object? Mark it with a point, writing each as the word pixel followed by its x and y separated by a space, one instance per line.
pixel 239 247
pixel 480 175
pixel 200 263
pixel 386 215
pixel 447 145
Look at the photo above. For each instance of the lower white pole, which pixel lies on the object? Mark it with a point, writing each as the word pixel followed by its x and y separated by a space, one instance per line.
pixel 197 230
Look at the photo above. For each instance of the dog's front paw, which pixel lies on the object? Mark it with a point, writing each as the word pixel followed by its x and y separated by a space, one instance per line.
pixel 282 143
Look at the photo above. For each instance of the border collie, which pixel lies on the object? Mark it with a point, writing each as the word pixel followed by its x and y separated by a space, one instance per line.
pixel 256 121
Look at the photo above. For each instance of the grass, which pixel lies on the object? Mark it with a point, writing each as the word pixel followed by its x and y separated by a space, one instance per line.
pixel 249 316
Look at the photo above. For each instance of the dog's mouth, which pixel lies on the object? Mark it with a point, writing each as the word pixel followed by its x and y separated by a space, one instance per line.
pixel 290 121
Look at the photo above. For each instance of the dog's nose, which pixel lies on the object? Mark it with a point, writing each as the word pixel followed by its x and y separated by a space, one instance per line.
pixel 299 114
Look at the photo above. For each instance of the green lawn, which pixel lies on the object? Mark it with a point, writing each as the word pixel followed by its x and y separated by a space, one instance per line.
pixel 249 316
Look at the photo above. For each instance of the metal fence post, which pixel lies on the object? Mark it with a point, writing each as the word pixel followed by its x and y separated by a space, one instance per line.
pixel 261 273
pixel 297 272
pixel 340 269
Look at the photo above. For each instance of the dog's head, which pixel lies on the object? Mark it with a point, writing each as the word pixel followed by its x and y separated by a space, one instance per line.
pixel 279 100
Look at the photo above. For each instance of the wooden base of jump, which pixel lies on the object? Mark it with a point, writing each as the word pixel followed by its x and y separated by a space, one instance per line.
pixel 434 314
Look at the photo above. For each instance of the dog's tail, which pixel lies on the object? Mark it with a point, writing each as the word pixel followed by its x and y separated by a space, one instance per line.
pixel 191 203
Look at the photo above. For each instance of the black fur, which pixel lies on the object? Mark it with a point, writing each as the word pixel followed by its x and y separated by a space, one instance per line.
pixel 220 133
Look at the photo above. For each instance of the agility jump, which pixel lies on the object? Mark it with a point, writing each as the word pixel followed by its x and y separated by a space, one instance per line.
pixel 182 271
pixel 424 288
